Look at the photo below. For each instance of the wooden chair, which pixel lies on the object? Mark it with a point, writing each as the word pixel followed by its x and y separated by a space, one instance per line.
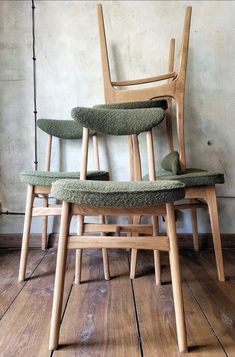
pixel 173 87
pixel 81 197
pixel 39 184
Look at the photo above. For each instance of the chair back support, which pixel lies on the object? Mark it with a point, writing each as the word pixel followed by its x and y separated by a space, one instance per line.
pixel 173 88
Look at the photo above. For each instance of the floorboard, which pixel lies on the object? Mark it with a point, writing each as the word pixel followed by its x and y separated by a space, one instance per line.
pixel 216 299
pixel 157 319
pixel 101 312
pixel 9 266
pixel 24 329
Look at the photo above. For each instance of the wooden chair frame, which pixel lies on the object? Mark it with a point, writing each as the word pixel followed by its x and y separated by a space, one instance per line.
pixel 46 210
pixel 173 89
pixel 153 241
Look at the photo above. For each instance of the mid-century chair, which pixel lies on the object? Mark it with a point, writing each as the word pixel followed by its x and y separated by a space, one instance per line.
pixel 39 184
pixel 200 184
pixel 81 197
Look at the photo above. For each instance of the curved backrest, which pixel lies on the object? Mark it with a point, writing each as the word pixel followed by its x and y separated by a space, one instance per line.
pixel 65 129
pixel 118 121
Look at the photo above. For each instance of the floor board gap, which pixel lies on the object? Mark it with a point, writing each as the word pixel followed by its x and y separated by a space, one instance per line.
pixel 204 314
pixel 24 284
pixel 136 315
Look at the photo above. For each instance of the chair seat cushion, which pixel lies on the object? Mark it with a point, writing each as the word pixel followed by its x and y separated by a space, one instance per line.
pixel 135 105
pixel 118 121
pixel 46 178
pixel 193 177
pixel 115 194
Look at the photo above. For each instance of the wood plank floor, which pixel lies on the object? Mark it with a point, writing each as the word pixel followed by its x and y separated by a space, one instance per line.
pixel 116 318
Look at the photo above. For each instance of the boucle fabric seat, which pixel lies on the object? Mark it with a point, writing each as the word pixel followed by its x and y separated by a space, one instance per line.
pixel 135 105
pixel 46 178
pixel 119 121
pixel 192 177
pixel 118 194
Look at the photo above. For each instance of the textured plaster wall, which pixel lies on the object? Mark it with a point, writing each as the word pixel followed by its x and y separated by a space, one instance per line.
pixel 69 74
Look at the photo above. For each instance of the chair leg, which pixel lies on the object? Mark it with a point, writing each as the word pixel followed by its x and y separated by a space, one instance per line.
pixel 157 260
pixel 135 220
pixel 44 225
pixel 59 278
pixel 26 233
pixel 78 261
pixel 176 279
pixel 213 212
pixel 105 253
pixel 195 229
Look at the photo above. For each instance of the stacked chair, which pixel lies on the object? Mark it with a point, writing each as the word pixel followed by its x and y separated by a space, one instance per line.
pixel 39 185
pixel 132 198
pixel 200 184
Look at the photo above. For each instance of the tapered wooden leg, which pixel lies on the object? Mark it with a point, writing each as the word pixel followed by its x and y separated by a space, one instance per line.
pixel 44 224
pixel 105 253
pixel 195 229
pixel 176 279
pixel 59 278
pixel 213 212
pixel 26 232
pixel 157 260
pixel 78 261
pixel 136 220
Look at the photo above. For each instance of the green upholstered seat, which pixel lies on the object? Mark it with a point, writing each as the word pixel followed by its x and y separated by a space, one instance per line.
pixel 63 129
pixel 135 105
pixel 46 178
pixel 193 177
pixel 117 194
pixel 118 121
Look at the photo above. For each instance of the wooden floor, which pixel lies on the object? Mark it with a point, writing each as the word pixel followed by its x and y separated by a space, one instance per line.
pixel 117 317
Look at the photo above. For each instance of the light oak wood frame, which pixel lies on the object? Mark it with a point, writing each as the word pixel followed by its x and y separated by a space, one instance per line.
pixel 156 242
pixel 174 89
pixel 46 210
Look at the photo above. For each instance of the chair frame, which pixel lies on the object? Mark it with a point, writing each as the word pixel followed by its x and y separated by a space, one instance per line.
pixel 173 89
pixel 46 210
pixel 152 241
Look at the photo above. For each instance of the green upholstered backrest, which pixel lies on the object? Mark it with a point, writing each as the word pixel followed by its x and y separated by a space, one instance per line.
pixel 118 121
pixel 171 162
pixel 64 129
pixel 135 105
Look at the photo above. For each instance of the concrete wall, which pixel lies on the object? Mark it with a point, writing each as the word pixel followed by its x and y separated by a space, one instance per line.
pixel 69 74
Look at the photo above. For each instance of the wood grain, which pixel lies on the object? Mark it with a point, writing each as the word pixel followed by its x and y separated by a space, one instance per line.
pixel 216 299
pixel 9 265
pixel 100 318
pixel 155 309
pixel 24 329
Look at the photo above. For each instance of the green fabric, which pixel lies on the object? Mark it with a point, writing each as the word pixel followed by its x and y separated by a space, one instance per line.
pixel 117 194
pixel 135 105
pixel 193 177
pixel 46 178
pixel 64 129
pixel 171 162
pixel 118 121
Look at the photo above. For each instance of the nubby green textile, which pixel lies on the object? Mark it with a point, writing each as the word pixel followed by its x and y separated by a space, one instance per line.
pixel 118 194
pixel 135 105
pixel 63 129
pixel 118 121
pixel 171 162
pixel 46 178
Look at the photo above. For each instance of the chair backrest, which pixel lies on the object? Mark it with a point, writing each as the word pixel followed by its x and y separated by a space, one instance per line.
pixel 65 129
pixel 104 121
pixel 173 88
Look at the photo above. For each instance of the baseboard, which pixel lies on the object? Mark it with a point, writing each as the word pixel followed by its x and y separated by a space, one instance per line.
pixel 13 241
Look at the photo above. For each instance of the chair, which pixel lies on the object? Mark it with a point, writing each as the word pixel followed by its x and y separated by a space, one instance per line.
pixel 82 197
pixel 200 184
pixel 39 184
